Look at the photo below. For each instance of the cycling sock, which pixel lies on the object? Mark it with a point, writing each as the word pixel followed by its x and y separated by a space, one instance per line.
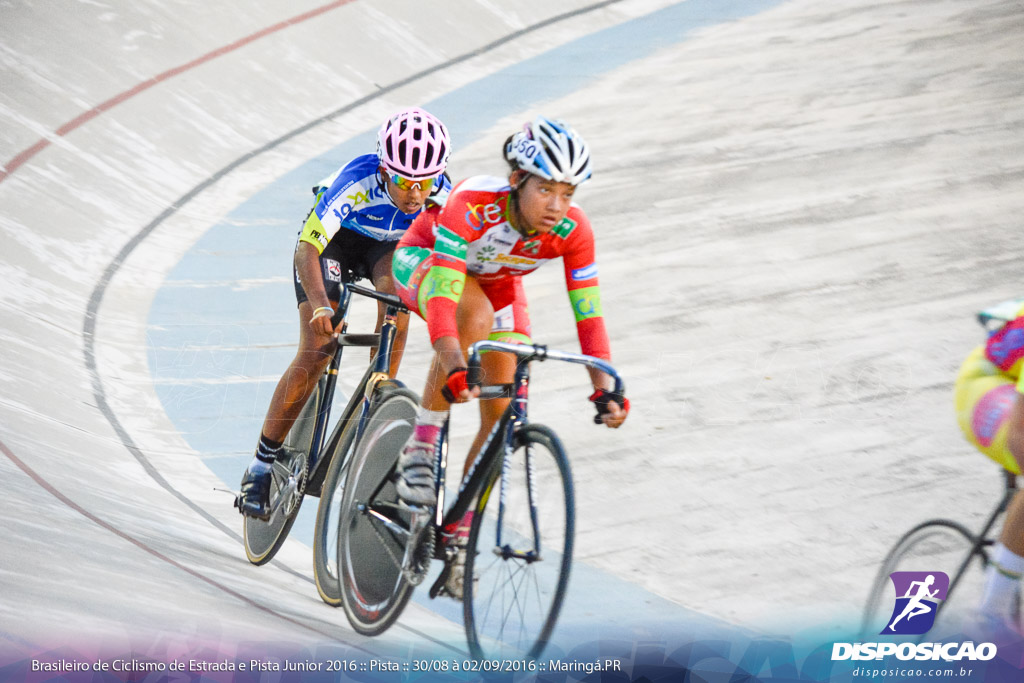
pixel 428 425
pixel 1002 580
pixel 267 450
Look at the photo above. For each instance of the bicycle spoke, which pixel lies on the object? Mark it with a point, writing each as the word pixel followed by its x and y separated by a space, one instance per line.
pixel 514 600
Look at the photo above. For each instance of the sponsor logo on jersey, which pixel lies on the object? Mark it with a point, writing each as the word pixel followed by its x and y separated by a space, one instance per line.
pixel 319 237
pixel 564 227
pixel 585 273
pixel 372 217
pixel 343 211
pixel 333 270
pixel 445 282
pixel 992 412
pixel 480 215
pixel 510 260
pixel 485 254
pixel 1006 346
pixel 447 242
pixel 586 302
pixel 410 256
pixel 365 197
pixel 504 320
pixel 531 247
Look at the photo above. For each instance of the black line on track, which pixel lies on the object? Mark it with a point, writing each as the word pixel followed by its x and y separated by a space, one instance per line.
pixel 52 490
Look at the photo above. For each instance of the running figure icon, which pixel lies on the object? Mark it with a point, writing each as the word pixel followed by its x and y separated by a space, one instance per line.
pixel 918 594
pixel 917 606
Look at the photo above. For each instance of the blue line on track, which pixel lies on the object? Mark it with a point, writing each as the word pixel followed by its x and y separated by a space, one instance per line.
pixel 210 332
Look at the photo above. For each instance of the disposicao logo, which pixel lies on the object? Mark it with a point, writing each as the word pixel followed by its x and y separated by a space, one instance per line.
pixel 918 595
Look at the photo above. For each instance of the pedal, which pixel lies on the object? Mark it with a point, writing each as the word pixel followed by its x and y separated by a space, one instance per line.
pixel 238 505
pixel 236 495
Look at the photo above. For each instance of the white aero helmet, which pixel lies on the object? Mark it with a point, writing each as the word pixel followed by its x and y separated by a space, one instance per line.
pixel 550 149
pixel 413 144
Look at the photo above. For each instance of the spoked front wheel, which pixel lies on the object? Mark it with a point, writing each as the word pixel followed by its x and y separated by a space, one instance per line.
pixel 938 545
pixel 263 539
pixel 373 529
pixel 520 550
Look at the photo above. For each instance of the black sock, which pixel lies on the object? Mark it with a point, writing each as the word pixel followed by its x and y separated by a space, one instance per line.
pixel 267 450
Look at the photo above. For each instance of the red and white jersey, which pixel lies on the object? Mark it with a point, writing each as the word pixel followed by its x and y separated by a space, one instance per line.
pixel 472 233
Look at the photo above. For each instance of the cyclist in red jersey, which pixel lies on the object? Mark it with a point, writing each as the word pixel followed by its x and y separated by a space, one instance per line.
pixel 496 231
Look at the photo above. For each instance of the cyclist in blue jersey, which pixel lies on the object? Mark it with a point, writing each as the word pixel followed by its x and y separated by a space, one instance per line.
pixel 351 232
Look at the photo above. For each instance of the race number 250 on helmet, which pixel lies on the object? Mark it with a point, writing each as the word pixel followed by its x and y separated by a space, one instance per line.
pixel 550 149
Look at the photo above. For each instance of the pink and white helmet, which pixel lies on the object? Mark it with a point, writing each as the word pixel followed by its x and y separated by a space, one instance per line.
pixel 413 144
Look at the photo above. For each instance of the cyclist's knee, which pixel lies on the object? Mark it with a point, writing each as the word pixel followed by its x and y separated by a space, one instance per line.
pixel 475 315
pixel 314 359
pixel 383 281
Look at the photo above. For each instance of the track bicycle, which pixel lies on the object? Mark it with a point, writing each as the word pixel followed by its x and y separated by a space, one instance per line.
pixel 940 545
pixel 317 460
pixel 521 538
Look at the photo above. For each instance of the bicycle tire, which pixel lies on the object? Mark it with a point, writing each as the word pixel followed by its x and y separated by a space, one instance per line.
pixel 328 512
pixel 262 539
pixel 493 579
pixel 936 545
pixel 325 533
pixel 373 589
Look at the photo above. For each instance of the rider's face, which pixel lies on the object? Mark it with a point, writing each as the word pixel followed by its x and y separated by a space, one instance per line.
pixel 409 200
pixel 542 203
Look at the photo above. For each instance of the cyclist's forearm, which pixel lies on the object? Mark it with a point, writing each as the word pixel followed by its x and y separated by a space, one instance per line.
pixel 601 380
pixel 307 264
pixel 449 354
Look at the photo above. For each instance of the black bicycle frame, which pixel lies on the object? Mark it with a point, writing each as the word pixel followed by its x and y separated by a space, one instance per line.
pixel 376 372
pixel 512 421
pixel 981 542
pixel 492 449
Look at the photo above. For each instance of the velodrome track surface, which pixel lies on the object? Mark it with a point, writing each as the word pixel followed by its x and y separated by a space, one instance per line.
pixel 799 206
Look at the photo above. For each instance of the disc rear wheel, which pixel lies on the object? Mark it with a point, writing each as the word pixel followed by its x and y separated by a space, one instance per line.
pixel 372 531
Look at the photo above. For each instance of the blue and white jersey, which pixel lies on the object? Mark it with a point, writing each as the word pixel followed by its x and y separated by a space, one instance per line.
pixel 356 201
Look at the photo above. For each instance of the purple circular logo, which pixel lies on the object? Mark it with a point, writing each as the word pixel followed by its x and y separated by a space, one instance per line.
pixel 991 412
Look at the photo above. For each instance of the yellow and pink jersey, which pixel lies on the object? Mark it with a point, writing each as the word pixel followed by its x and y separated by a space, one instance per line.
pixel 990 381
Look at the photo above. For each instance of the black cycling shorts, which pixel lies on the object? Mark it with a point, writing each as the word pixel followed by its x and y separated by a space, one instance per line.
pixel 348 257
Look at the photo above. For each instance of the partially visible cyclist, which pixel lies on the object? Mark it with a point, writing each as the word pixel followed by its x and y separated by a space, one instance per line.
pixel 495 231
pixel 989 398
pixel 360 214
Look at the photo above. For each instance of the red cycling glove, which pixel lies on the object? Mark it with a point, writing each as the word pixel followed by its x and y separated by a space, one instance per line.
pixel 601 399
pixel 455 384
